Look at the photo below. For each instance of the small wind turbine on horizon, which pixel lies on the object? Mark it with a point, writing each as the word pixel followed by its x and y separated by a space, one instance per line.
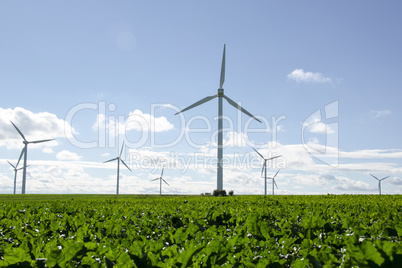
pixel 161 179
pixel 264 169
pixel 273 182
pixel 25 151
pixel 220 96
pixel 118 166
pixel 379 181
pixel 16 169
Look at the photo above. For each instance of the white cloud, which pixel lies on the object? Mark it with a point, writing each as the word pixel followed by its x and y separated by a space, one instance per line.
pixel 66 155
pixel 34 126
pixel 145 122
pixel 136 120
pixel 308 77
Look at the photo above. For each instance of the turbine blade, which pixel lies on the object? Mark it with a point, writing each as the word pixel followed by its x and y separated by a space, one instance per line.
pixel 274 157
pixel 21 168
pixel 258 153
pixel 162 172
pixel 237 106
pixel 11 164
pixel 384 178
pixel 121 151
pixel 276 174
pixel 110 160
pixel 22 135
pixel 165 182
pixel 22 152
pixel 374 177
pixel 198 103
pixel 155 179
pixel 275 183
pixel 41 141
pixel 124 164
pixel 223 68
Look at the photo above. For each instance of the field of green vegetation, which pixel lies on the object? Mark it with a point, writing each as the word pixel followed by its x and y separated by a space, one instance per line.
pixel 196 231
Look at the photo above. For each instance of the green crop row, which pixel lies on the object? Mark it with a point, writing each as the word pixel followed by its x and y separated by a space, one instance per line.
pixel 194 231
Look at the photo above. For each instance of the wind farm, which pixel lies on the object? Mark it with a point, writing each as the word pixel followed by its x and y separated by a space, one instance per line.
pixel 264 170
pixel 25 152
pixel 229 97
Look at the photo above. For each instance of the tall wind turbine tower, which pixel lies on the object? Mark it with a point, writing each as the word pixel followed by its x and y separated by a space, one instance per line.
pixel 118 166
pixel 220 95
pixel 264 169
pixel 160 182
pixel 379 181
pixel 25 150
pixel 273 182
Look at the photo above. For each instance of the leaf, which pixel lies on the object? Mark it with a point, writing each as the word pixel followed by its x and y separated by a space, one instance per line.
pixel 14 256
pixel 371 253
pixel 124 261
pixel 187 255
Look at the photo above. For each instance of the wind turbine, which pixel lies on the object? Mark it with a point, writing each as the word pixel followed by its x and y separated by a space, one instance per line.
pixel 118 166
pixel 273 182
pixel 264 168
pixel 16 170
pixel 161 179
pixel 25 150
pixel 220 95
pixel 379 181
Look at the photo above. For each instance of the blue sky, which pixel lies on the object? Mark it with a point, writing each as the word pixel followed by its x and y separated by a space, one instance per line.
pixel 324 77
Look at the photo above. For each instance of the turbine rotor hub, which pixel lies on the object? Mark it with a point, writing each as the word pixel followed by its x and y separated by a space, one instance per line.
pixel 220 92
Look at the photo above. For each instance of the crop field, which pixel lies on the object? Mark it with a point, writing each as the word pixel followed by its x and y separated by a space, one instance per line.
pixel 200 231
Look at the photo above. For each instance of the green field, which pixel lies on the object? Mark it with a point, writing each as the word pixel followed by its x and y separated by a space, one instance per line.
pixel 196 231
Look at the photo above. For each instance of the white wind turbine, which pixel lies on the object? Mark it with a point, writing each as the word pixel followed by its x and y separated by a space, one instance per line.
pixel 379 181
pixel 264 169
pixel 161 179
pixel 25 151
pixel 16 170
pixel 118 166
pixel 273 182
pixel 220 95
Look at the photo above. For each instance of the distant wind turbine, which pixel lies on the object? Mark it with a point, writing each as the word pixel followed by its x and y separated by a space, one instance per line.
pixel 379 181
pixel 273 182
pixel 220 95
pixel 16 170
pixel 118 166
pixel 25 150
pixel 160 179
pixel 264 169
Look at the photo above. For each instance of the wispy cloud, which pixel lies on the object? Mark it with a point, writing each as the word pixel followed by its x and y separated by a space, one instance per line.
pixel 378 114
pixel 299 75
